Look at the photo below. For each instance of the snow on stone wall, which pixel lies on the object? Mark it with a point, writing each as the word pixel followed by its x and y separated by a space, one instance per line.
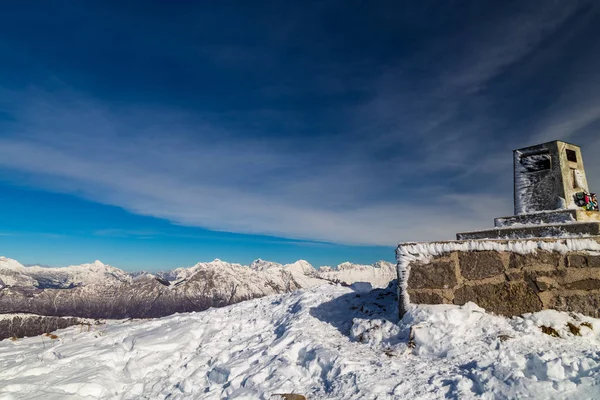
pixel 509 276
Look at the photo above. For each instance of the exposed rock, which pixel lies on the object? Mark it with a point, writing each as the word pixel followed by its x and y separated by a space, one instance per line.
pixel 32 325
pixel 288 396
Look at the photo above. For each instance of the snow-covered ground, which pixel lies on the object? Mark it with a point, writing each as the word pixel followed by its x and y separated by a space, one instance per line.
pixel 379 274
pixel 324 342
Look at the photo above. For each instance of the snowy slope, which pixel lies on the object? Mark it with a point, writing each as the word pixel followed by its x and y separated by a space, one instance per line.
pixel 379 274
pixel 325 343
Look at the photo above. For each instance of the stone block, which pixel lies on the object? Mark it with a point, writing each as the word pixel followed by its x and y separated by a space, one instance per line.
pixel 593 261
pixel 548 217
pixel 544 285
pixel 585 284
pixel 425 298
pixel 587 304
pixel 515 275
pixel 575 229
pixel 538 260
pixel 555 273
pixel 576 261
pixel 583 261
pixel 476 265
pixel 432 275
pixel 504 298
pixel 571 278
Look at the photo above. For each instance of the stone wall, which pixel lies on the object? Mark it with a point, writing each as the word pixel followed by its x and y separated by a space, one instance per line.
pixel 504 277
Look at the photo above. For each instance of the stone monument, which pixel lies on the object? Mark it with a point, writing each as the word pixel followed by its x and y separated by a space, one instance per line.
pixel 545 256
pixel 550 191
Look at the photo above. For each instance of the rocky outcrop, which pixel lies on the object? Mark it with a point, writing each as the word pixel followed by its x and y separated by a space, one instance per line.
pixel 22 325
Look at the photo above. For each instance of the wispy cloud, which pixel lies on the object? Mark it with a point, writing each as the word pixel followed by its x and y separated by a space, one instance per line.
pixel 243 186
pixel 423 152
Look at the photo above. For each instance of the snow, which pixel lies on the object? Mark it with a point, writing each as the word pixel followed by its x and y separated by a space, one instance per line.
pixel 263 265
pixel 536 219
pixel 427 249
pixel 328 342
pixel 379 274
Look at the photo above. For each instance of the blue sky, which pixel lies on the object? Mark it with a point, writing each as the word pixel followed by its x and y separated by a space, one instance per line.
pixel 152 135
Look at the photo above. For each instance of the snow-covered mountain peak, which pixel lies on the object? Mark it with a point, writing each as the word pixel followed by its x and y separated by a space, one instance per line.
pixel 240 281
pixel 263 265
pixel 302 262
pixel 347 265
pixel 217 263
pixel 301 266
pixel 13 273
pixel 383 264
pixel 9 263
pixel 181 274
pixel 205 264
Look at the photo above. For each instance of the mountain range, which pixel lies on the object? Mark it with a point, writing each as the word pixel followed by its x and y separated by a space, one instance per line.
pixel 98 290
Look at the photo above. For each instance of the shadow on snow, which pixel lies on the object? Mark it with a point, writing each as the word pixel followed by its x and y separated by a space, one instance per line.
pixel 380 304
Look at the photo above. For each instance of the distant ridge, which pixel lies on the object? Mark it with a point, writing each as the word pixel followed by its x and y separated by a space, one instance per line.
pixel 98 290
